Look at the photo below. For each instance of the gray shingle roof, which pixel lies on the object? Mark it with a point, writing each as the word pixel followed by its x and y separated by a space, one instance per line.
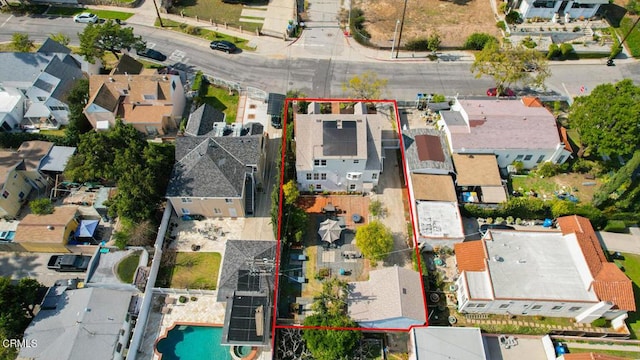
pixel 50 46
pixel 212 167
pixel 85 325
pixel 127 65
pixel 236 257
pixel 22 67
pixel 202 119
pixel 68 71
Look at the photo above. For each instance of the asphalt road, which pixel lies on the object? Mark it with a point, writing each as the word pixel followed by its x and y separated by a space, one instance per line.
pixel 321 76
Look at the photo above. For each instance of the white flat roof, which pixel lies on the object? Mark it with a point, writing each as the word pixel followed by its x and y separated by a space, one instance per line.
pixel 443 343
pixel 534 265
pixel 439 219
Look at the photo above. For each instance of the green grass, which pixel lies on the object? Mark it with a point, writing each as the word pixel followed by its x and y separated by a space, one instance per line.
pixel 624 354
pixel 631 265
pixel 103 14
pixel 217 11
pixel 127 268
pixel 633 41
pixel 220 99
pixel 60 132
pixel 533 182
pixel 193 270
pixel 205 34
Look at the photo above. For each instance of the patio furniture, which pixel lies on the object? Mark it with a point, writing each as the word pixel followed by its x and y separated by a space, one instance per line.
pixel 330 231
pixel 329 208
pixel 356 218
pixel 298 257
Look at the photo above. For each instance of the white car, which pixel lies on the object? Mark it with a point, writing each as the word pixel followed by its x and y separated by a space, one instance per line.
pixel 86 18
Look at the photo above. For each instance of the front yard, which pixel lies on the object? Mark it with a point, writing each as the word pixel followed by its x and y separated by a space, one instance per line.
pixel 189 270
pixel 631 265
pixel 223 100
pixel 218 11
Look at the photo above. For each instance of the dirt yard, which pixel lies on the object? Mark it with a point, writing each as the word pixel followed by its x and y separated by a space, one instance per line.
pixel 575 184
pixel 454 20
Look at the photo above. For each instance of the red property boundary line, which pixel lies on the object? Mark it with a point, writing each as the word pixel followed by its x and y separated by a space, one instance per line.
pixel 405 172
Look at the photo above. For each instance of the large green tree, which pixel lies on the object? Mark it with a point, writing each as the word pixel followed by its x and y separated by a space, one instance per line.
pixel 607 119
pixel 330 310
pixel 507 65
pixel 17 303
pixel 96 39
pixel 366 86
pixel 78 124
pixel 374 240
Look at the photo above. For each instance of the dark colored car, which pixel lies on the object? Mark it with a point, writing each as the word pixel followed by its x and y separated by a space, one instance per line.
pixel 485 227
pixel 617 256
pixel 505 92
pixel 223 45
pixel 276 121
pixel 153 54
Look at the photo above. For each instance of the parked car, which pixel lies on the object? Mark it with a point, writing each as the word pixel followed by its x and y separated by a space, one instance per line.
pixel 86 17
pixel 69 263
pixel 223 45
pixel 153 54
pixel 617 256
pixel 505 92
pixel 485 227
pixel 276 121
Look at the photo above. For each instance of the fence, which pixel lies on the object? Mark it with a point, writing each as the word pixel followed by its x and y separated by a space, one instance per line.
pixel 257 94
pixel 231 85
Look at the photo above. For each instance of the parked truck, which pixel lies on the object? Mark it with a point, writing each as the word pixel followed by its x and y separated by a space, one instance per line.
pixel 69 263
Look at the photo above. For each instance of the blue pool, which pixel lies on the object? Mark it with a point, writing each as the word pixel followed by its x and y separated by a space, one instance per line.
pixel 187 342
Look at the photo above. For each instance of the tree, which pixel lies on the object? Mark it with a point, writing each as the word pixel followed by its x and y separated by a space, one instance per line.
pixel 365 86
pixel 290 192
pixel 374 240
pixel 17 302
pixel 61 38
pixel 96 39
pixel 21 42
pixel 507 65
pixel 41 206
pixel 434 41
pixel 330 310
pixel 78 124
pixel 607 118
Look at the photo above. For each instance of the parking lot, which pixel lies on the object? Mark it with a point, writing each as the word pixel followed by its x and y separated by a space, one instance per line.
pixel 34 265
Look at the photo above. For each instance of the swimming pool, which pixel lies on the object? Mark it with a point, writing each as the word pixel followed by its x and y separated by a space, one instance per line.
pixel 190 342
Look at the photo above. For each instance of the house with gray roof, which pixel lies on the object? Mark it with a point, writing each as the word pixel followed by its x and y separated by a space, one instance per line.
pixel 216 176
pixel 44 77
pixel 392 298
pixel 246 285
pixel 512 130
pixel 202 120
pixel 338 152
pixel 78 324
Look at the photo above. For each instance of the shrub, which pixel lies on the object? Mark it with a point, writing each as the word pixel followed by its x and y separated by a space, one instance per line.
pixel 182 299
pixel 501 25
pixel 434 42
pixel 477 41
pixel 193 298
pixel 617 226
pixel 528 42
pixel 489 220
pixel 519 165
pixel 518 221
pixel 438 98
pixel 600 322
pixel 576 29
pixel 548 169
pixel 503 7
pixel 375 208
pixel 615 50
pixel 554 51
pixel 41 206
pixel 566 50
pixel 192 30
pixel 512 17
pixel 509 220
pixel 324 272
pixel 499 220
pixel 420 44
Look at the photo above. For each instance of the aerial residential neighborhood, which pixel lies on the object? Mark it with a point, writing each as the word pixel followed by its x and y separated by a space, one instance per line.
pixel 370 179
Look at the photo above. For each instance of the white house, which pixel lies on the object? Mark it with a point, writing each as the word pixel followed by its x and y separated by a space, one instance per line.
pixel 513 130
pixel 12 104
pixel 555 274
pixel 392 298
pixel 338 152
pixel 547 9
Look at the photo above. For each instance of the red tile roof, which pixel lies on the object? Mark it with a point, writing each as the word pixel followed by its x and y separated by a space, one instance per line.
pixel 565 139
pixel 471 256
pixel 591 356
pixel 610 283
pixel 531 101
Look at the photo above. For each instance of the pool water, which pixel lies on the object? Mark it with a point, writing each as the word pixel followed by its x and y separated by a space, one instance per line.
pixel 186 342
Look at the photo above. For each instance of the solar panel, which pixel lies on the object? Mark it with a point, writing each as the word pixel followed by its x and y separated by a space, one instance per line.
pixel 339 138
pixel 246 323
pixel 275 104
pixel 248 281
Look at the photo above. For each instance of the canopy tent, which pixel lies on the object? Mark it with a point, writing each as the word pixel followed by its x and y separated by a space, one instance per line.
pixel 330 230
pixel 87 228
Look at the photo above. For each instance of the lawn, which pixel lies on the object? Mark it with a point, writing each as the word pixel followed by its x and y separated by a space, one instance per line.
pixel 631 265
pixel 103 14
pixel 220 99
pixel 204 33
pixel 623 354
pixel 633 41
pixel 217 11
pixel 193 270
pixel 127 268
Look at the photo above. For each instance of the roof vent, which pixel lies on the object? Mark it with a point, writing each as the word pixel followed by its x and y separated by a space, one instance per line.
pixel 522 261
pixel 50 227
pixel 524 118
pixel 165 78
pixel 498 258
pixel 111 79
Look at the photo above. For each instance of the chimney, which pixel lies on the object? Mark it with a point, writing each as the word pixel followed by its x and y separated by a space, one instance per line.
pixel 339 124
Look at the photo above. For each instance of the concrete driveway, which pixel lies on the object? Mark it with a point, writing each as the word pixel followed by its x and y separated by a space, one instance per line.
pixel 629 243
pixel 34 265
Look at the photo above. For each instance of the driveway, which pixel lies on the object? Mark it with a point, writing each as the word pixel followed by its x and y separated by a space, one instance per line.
pixel 34 265
pixel 629 243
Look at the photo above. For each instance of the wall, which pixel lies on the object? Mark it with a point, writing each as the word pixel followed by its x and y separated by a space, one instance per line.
pixel 205 206
pixel 14 184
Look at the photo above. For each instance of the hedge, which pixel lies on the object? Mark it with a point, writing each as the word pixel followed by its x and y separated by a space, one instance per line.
pixel 616 226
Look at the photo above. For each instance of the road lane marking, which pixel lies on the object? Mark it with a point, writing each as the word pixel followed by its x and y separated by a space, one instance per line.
pixel 6 21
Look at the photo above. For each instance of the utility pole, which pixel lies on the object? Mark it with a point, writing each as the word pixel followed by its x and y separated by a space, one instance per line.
pixel 628 33
pixel 158 13
pixel 404 11
pixel 393 45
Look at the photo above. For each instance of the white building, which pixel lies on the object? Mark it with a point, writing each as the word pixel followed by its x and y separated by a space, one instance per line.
pixel 547 9
pixel 513 130
pixel 555 274
pixel 12 104
pixel 338 152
